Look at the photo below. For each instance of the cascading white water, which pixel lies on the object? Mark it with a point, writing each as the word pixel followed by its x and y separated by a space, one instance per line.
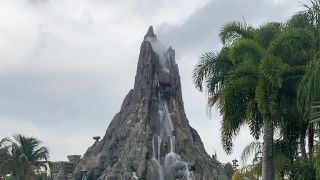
pixel 172 143
pixel 157 169
pixel 159 146
pixel 173 167
pixel 166 126
pixel 153 149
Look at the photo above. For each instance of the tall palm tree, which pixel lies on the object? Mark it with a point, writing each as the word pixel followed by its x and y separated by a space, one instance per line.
pixel 263 63
pixel 26 157
pixel 248 92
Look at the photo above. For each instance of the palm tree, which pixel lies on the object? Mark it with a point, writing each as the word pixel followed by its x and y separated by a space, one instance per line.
pixel 308 94
pixel 26 157
pixel 282 158
pixel 248 92
pixel 309 97
pixel 4 155
pixel 308 91
pixel 264 65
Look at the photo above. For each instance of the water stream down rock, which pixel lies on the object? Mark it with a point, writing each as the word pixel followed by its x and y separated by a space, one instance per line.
pixel 150 138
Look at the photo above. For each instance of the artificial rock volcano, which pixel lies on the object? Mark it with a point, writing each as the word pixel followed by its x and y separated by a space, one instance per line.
pixel 150 137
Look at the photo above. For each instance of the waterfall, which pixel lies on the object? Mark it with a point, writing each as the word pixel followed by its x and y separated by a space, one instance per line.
pixel 159 146
pixel 171 144
pixel 157 169
pixel 153 149
pixel 166 126
pixel 173 167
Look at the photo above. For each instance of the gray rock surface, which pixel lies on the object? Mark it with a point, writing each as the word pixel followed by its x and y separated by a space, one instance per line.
pixel 150 138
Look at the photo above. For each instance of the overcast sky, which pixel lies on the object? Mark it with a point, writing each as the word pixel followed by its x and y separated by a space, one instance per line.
pixel 66 65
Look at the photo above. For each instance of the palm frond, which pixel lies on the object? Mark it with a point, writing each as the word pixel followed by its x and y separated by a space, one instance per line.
pixel 203 68
pixel 315 112
pixel 246 49
pixel 232 31
pixel 210 72
pixel 233 102
pixel 252 149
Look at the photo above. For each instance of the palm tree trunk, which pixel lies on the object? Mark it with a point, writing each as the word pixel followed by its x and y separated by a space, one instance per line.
pixel 310 140
pixel 267 160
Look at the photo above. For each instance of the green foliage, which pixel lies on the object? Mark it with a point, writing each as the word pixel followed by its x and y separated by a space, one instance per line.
pixel 309 86
pixel 265 34
pixel 246 49
pixel 4 155
pixel 234 100
pixel 313 18
pixel 294 46
pixel 10 178
pixel 271 70
pixel 300 20
pixel 247 75
pixel 248 172
pixel 283 164
pixel 300 170
pixel 253 149
pixel 25 157
pixel 267 73
pixel 315 115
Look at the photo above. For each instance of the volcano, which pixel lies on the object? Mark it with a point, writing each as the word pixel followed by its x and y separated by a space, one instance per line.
pixel 150 138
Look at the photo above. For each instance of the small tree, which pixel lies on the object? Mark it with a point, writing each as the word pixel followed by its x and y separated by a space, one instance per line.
pixel 25 157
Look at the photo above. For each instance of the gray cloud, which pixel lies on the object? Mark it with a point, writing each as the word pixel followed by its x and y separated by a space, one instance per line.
pixel 67 65
pixel 36 2
pixel 202 27
pixel 35 95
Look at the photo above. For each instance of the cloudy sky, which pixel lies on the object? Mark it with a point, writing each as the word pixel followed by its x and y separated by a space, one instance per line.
pixel 66 65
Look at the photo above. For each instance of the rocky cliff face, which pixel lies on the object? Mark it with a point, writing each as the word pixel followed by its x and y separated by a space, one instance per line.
pixel 150 137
